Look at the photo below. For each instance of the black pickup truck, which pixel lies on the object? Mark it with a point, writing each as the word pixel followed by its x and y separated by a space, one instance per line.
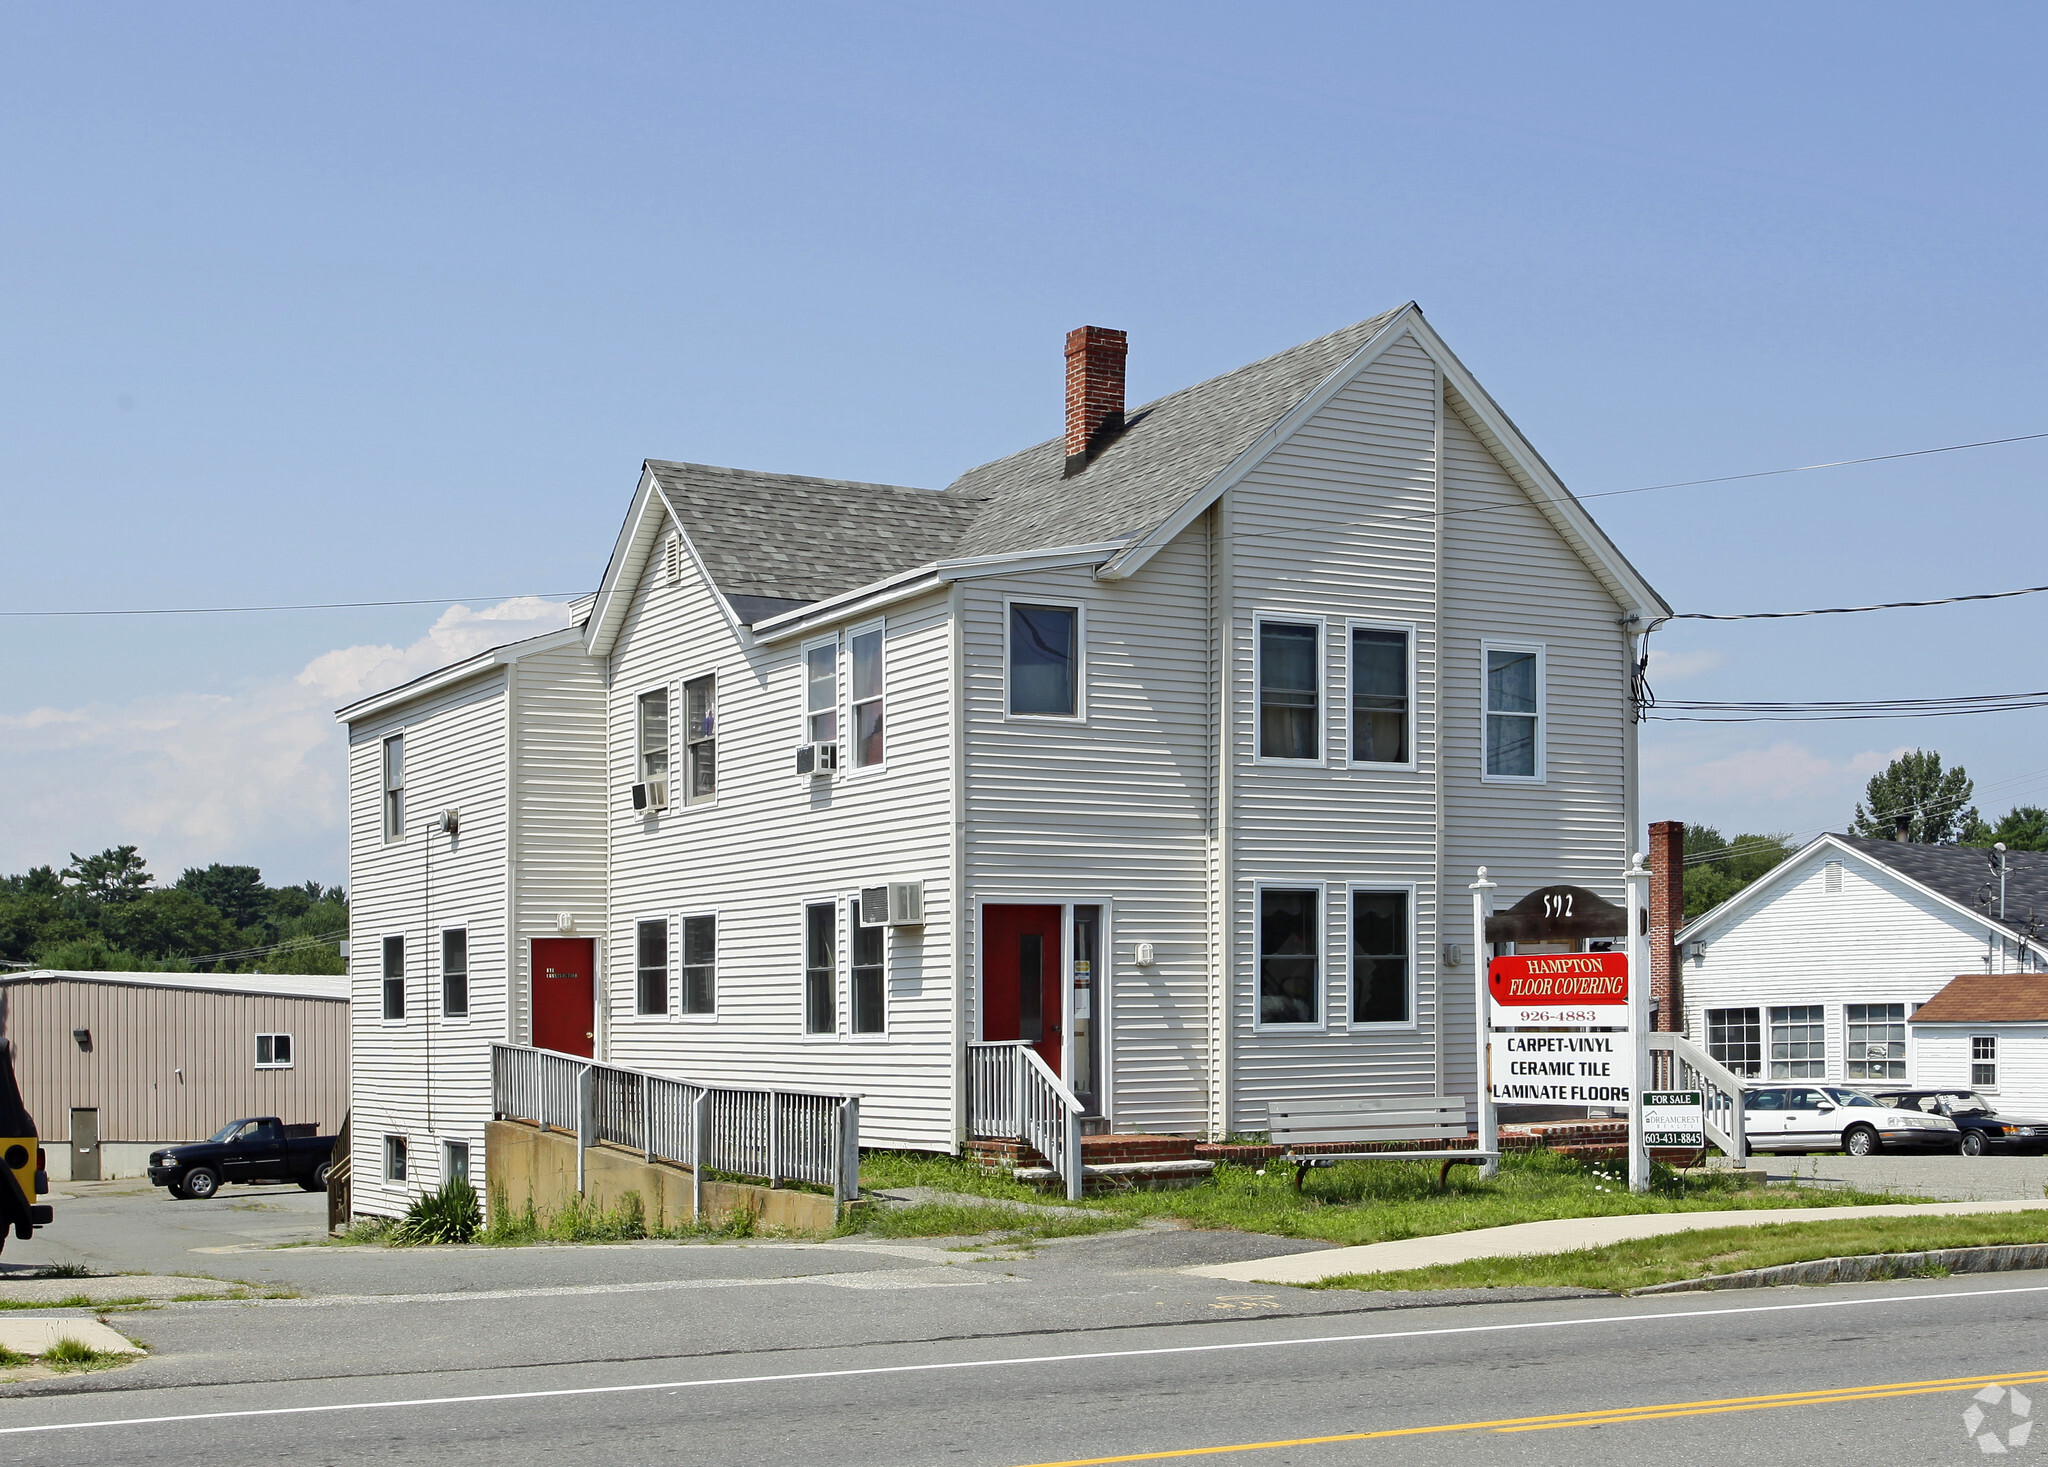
pixel 253 1149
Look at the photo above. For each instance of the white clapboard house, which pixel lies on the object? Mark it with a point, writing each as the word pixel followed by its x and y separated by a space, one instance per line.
pixel 1818 969
pixel 1168 746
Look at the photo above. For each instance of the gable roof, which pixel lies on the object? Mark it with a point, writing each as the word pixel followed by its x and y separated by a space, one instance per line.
pixel 1988 998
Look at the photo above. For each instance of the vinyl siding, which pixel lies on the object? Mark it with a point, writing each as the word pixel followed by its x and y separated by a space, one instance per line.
pixel 1941 1056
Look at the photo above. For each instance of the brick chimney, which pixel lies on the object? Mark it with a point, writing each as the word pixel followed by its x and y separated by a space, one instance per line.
pixel 1095 391
pixel 1667 915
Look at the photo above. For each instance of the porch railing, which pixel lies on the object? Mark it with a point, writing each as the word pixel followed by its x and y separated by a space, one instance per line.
pixel 1013 1093
pixel 1677 1063
pixel 779 1135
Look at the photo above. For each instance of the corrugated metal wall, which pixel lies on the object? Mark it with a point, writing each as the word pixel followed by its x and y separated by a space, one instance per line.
pixel 171 1064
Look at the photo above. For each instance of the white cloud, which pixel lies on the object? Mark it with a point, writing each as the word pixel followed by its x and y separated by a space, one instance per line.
pixel 198 777
pixel 1667 666
pixel 1780 787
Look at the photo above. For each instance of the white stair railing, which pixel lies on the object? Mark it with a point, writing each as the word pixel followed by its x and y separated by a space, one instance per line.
pixel 1677 1063
pixel 1013 1094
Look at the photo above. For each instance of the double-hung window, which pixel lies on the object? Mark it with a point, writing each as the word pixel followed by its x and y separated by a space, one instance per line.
pixel 1799 1049
pixel 394 977
pixel 1984 1062
pixel 455 973
pixel 1514 712
pixel 821 969
pixel 1290 955
pixel 867 972
pixel 821 692
pixel 654 735
pixel 1876 1040
pixel 700 739
pixel 394 787
pixel 864 649
pixel 1735 1037
pixel 1379 958
pixel 1290 690
pixel 394 1158
pixel 1379 695
pixel 273 1051
pixel 700 965
pixel 1045 661
pixel 651 962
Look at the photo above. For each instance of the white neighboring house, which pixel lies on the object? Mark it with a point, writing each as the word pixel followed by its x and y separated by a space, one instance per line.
pixel 1173 737
pixel 1816 969
pixel 1988 1032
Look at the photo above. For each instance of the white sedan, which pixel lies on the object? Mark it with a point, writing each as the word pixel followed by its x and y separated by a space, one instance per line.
pixel 1830 1118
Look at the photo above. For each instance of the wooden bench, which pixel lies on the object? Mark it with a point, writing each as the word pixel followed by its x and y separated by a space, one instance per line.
pixel 1297 1124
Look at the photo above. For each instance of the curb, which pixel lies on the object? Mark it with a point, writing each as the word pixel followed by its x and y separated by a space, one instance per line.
pixel 1998 1259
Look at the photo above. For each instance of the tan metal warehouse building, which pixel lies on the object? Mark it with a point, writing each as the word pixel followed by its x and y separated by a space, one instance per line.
pixel 114 1064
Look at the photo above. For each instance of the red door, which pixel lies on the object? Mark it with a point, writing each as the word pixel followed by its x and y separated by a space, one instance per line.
pixel 565 994
pixel 1021 977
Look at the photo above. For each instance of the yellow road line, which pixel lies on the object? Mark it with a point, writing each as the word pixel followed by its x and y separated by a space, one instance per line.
pixel 1614 1415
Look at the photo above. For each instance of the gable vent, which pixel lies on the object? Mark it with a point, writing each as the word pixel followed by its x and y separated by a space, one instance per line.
pixel 671 557
pixel 1831 878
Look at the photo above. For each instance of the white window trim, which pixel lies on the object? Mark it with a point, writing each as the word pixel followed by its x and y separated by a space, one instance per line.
pixel 676 948
pixel 1487 646
pixel 384 787
pixel 840 681
pixel 447 1171
pixel 679 744
pixel 640 749
pixel 1323 719
pixel 1971 1061
pixel 849 763
pixel 1080 610
pixel 803 969
pixel 1375 766
pixel 1323 984
pixel 385 1169
pixel 404 978
pixel 848 904
pixel 440 990
pixel 1413 1022
pixel 669 969
pixel 272 1064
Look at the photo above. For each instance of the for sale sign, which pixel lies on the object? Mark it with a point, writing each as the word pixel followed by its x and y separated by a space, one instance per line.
pixel 1674 1118
pixel 1561 1069
pixel 1559 990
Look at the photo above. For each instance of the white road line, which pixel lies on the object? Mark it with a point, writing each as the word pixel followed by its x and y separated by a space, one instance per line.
pixel 1659 1317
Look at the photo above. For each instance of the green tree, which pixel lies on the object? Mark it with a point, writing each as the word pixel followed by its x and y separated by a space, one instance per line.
pixel 1935 801
pixel 236 892
pixel 303 955
pixel 40 881
pixel 30 919
pixel 1716 869
pixel 116 874
pixel 2022 828
pixel 169 922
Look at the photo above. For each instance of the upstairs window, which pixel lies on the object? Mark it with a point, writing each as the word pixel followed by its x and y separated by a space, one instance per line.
pixel 651 962
pixel 1379 696
pixel 455 973
pixel 394 977
pixel 700 965
pixel 394 787
pixel 821 692
pixel 1290 690
pixel 1514 715
pixel 1290 956
pixel 1045 656
pixel 654 735
pixel 868 985
pixel 700 747
pixel 1984 1062
pixel 273 1051
pixel 1379 957
pixel 865 649
pixel 821 970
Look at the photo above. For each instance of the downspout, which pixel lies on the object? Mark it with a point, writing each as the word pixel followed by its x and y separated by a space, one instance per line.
pixel 963 938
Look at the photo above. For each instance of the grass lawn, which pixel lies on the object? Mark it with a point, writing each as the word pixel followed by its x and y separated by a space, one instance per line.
pixel 1621 1266
pixel 1373 1201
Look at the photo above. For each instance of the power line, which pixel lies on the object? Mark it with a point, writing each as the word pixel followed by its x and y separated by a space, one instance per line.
pixel 1847 610
pixel 306 606
pixel 1932 807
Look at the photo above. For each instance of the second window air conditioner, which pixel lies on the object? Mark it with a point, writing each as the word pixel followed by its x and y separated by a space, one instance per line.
pixel 815 759
pixel 899 904
pixel 651 795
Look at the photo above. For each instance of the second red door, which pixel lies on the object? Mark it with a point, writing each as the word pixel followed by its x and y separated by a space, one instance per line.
pixel 1021 978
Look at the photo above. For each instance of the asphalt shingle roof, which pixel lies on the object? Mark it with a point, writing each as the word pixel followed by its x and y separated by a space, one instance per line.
pixel 1988 998
pixel 1965 876
pixel 775 541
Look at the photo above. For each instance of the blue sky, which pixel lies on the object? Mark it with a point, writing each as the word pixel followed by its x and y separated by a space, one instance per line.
pixel 367 301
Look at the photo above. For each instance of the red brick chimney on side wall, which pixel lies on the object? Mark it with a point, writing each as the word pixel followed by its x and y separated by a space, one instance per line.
pixel 1095 391
pixel 1667 915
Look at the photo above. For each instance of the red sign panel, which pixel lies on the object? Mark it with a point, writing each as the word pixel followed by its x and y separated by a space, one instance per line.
pixel 1543 980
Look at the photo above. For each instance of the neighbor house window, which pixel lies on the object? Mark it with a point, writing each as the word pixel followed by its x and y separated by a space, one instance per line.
pixel 454 1161
pixel 394 787
pixel 394 977
pixel 654 735
pixel 651 962
pixel 1735 1037
pixel 455 973
pixel 1379 957
pixel 1379 696
pixel 1799 1048
pixel 394 1158
pixel 1876 1034
pixel 1290 690
pixel 700 965
pixel 700 745
pixel 273 1051
pixel 1045 656
pixel 821 971
pixel 821 692
pixel 1290 956
pixel 1514 716
pixel 865 650
pixel 1984 1062
pixel 866 972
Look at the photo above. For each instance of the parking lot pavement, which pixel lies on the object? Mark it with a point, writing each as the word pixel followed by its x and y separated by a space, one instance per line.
pixel 1949 1178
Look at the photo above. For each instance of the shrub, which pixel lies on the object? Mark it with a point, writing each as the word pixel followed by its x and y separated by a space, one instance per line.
pixel 449 1214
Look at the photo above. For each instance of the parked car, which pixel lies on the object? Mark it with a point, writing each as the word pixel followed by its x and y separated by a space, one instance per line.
pixel 253 1149
pixel 1983 1127
pixel 1801 1118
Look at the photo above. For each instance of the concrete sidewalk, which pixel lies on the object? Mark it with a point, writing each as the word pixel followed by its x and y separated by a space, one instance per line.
pixel 1560 1235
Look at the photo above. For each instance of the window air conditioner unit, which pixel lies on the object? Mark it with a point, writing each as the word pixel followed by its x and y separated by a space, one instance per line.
pixel 899 904
pixel 652 795
pixel 816 759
